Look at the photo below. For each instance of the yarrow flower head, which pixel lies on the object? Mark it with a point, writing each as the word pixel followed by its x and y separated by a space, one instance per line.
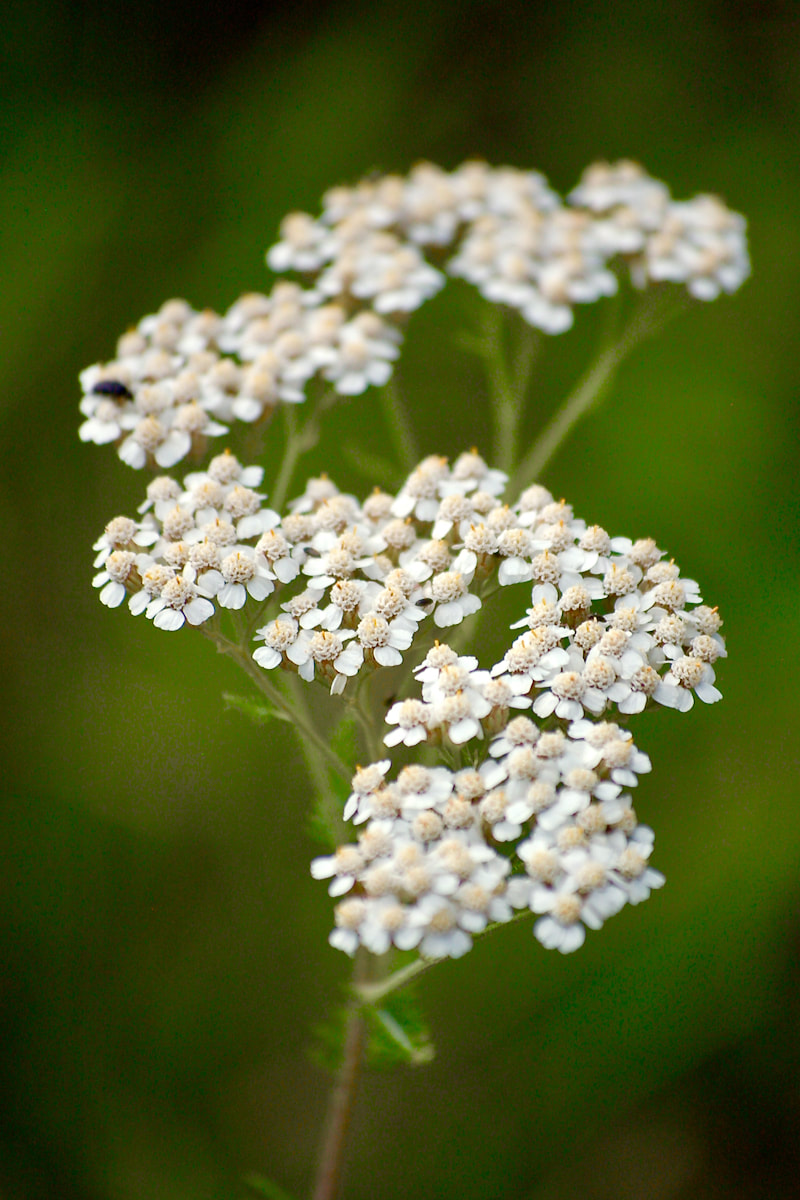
pixel 353 589
pixel 183 376
pixel 434 863
pixel 539 807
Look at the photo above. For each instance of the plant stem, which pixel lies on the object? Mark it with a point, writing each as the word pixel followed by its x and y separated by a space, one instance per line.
pixel 329 807
pixel 301 721
pixel 289 461
pixel 372 993
pixel 298 441
pixel 343 1096
pixel 396 416
pixel 505 406
pixel 507 380
pixel 648 319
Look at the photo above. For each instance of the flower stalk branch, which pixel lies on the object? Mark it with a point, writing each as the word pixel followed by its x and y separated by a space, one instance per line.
pixel 647 320
pixel 272 693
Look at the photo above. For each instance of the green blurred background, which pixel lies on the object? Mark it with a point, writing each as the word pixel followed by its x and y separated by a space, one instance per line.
pixel 163 953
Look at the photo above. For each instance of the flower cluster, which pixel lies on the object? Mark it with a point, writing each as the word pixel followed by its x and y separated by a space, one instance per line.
pixel 432 865
pixel 610 623
pixel 182 376
pixel 190 544
pixel 536 816
pixel 531 809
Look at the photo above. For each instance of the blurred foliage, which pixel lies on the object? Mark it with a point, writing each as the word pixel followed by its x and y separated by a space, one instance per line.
pixel 163 945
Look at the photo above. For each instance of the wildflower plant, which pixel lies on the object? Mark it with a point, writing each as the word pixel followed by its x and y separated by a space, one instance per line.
pixel 455 793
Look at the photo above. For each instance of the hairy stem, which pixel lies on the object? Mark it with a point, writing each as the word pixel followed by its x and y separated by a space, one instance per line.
pixel 373 993
pixel 342 1099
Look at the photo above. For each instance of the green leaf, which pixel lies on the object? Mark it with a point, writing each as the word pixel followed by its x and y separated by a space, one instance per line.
pixel 257 711
pixel 399 1032
pixel 265 1187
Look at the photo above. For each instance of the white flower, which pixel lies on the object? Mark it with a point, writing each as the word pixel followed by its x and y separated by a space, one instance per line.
pixel 423 787
pixel 242 576
pixel 328 651
pixel 365 782
pixel 605 746
pixel 388 921
pixel 302 245
pixel 443 938
pixel 122 533
pixel 469 473
pixel 281 557
pixel 419 496
pixel 480 898
pixel 362 357
pixel 453 601
pixel 460 715
pixel 411 718
pixel 443 673
pixel 106 421
pixel 560 672
pixel 701 244
pixel 398 282
pixel 279 636
pixel 120 566
pixel 631 870
pixel 383 640
pixel 567 910
pixel 180 601
pixel 691 677
pixel 343 868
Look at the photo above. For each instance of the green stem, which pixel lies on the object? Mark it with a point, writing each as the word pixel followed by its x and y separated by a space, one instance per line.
pixel 302 722
pixel 507 381
pixel 340 1108
pixel 506 407
pixel 291 454
pixel 298 441
pixel 373 993
pixel 528 346
pixel 648 319
pixel 397 420
pixel 366 714
pixel 329 807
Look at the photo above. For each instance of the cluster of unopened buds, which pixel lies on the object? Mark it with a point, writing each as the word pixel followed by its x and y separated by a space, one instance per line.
pixel 531 810
pixel 378 251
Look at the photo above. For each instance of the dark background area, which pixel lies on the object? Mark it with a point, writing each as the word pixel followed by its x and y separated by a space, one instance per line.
pixel 163 955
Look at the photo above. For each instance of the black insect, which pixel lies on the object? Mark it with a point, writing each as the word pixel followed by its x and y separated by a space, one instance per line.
pixel 112 387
